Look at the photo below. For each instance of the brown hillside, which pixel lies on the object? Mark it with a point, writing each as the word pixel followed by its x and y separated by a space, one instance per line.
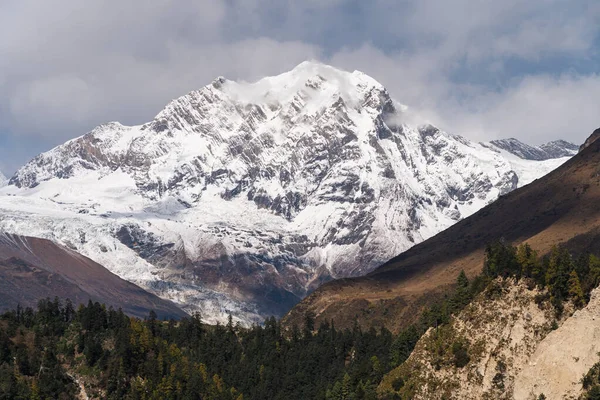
pixel 561 208
pixel 32 269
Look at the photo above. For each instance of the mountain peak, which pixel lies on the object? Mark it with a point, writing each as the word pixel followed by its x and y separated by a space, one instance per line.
pixel 240 189
pixel 312 65
pixel 309 78
pixel 316 67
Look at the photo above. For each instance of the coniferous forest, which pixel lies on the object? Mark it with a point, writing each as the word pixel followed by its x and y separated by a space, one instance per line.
pixel 55 350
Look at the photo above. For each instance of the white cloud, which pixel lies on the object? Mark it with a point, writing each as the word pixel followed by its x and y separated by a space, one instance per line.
pixel 68 66
pixel 537 108
pixel 534 108
pixel 58 100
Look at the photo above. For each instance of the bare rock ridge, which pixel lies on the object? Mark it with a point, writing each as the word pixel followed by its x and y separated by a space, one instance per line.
pixel 242 198
pixel 547 151
pixel 559 208
pixel 593 137
pixel 32 269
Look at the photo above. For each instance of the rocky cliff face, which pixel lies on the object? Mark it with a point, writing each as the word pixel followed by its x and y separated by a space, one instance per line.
pixel 243 197
pixel 516 349
pixel 563 357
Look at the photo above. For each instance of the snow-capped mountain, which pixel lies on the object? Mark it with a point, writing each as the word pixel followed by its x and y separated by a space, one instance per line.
pixel 3 180
pixel 242 197
pixel 547 151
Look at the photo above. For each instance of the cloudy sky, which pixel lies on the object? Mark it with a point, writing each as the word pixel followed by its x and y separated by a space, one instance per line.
pixel 481 68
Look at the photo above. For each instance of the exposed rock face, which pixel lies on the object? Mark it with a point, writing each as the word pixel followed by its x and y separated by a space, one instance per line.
pixel 555 149
pixel 563 357
pixel 593 137
pixel 242 198
pixel 559 148
pixel 515 351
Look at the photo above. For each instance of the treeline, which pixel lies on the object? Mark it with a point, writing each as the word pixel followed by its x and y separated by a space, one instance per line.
pixel 50 352
pixel 46 353
pixel 564 277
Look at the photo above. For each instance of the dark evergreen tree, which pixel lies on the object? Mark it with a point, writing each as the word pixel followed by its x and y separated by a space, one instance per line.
pixel 139 359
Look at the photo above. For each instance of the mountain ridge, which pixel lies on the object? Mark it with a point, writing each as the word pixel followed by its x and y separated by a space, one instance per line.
pixel 546 151
pixel 33 269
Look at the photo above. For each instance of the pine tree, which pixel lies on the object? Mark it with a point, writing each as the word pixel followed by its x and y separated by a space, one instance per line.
pixel 575 291
pixel 594 264
pixel 529 260
pixel 462 296
pixel 335 393
pixel 230 327
pixel 151 321
pixel 8 382
pixel 309 325
pixel 346 392
pixel 404 344
pixel 377 368
pixel 35 391
pixel 462 280
pixel 557 275
pixel 501 260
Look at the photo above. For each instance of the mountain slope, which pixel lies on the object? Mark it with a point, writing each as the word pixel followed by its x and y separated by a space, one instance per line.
pixel 560 208
pixel 32 269
pixel 3 180
pixel 243 197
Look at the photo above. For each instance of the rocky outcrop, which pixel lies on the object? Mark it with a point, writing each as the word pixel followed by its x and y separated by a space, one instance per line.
pixel 515 347
pixel 499 330
pixel 559 148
